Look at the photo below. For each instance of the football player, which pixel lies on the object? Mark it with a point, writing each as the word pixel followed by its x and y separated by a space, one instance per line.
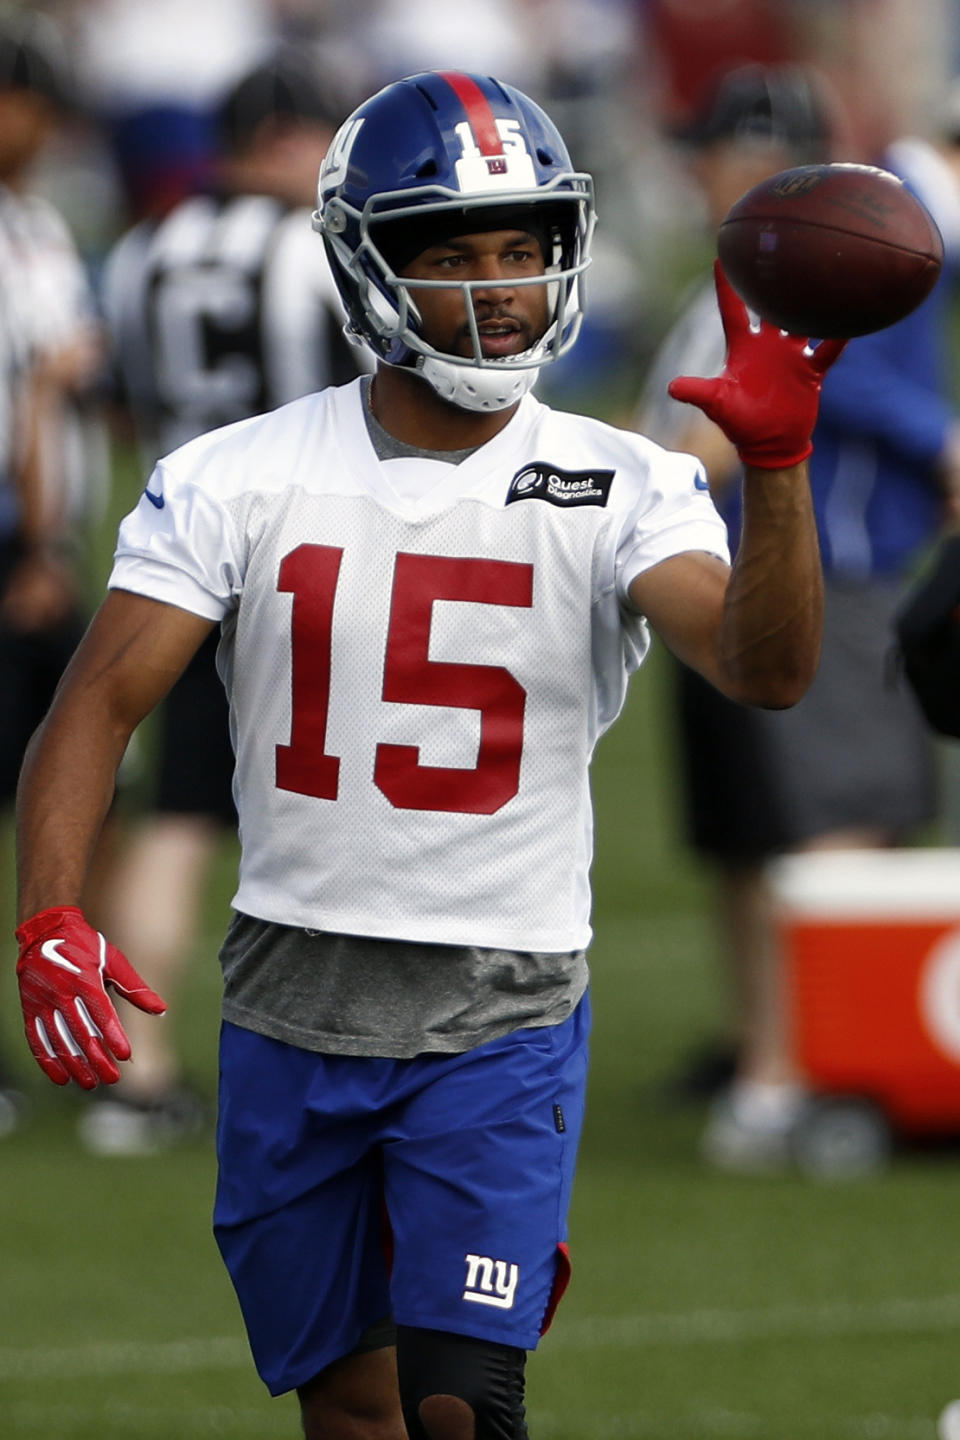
pixel 431 591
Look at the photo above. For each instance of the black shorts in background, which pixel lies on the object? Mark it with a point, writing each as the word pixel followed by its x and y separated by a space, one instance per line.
pixel 730 793
pixel 31 663
pixel 195 758
pixel 853 754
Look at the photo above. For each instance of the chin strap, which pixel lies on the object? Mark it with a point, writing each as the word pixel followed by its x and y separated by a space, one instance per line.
pixel 474 387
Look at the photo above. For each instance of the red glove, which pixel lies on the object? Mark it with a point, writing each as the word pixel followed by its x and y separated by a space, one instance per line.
pixel 767 398
pixel 64 968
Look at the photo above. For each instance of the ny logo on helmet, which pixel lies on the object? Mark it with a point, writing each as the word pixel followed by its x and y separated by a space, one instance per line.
pixel 338 156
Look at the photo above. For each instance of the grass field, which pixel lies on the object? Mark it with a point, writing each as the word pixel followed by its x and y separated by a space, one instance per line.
pixel 702 1308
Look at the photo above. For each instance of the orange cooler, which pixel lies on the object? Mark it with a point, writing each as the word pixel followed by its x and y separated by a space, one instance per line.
pixel 872 944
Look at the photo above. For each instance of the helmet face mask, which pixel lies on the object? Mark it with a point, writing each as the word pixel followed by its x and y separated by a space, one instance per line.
pixel 432 157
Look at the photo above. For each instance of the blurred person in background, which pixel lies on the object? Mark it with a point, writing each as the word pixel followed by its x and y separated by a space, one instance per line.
pixel 152 71
pixel 405 1014
pixel 928 623
pixel 851 766
pixel 51 356
pixel 222 309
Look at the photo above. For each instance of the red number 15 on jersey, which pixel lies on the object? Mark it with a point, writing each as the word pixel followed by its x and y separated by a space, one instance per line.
pixel 311 573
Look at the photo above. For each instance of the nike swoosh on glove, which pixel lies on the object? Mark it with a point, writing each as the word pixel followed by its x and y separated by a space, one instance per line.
pixel 767 397
pixel 64 969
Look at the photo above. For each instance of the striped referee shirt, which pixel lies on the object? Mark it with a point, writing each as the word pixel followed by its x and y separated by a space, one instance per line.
pixel 223 309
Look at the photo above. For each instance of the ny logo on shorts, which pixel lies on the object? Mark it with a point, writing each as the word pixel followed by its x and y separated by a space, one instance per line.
pixel 491 1282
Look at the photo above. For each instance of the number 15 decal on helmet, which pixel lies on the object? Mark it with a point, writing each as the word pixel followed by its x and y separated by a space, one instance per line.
pixel 435 156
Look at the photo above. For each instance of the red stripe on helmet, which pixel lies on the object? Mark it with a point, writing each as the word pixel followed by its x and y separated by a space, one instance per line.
pixel 479 114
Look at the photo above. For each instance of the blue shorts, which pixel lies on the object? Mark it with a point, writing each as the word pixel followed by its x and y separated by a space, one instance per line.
pixel 435 1189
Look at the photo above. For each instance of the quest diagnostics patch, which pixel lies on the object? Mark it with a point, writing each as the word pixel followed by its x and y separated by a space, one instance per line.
pixel 567 488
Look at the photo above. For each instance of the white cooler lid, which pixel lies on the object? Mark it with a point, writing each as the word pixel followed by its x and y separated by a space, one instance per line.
pixel 869 884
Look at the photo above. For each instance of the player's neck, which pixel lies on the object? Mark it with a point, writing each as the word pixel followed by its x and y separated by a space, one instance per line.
pixel 411 411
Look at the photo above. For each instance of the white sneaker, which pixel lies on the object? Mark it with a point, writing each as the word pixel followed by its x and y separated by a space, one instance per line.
pixel 750 1127
pixel 113 1124
pixel 14 1111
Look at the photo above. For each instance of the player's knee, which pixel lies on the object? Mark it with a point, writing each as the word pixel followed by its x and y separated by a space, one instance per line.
pixel 446 1417
pixel 329 1418
pixel 354 1396
pixel 453 1387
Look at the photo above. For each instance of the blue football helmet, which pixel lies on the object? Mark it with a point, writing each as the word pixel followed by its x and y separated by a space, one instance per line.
pixel 443 154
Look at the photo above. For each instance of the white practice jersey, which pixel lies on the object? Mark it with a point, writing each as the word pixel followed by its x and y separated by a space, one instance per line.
pixel 419 656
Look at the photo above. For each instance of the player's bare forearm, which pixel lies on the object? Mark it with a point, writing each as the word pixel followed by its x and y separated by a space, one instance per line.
pixel 131 655
pixel 752 630
pixel 765 401
pixel 770 633
pixel 66 787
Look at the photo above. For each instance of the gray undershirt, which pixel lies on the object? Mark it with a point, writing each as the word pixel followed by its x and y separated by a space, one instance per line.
pixel 388 447
pixel 358 995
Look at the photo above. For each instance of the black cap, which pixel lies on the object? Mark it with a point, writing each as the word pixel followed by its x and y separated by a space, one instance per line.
pixel 769 104
pixel 285 87
pixel 32 59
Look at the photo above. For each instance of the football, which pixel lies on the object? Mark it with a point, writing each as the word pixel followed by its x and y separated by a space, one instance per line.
pixel 830 251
